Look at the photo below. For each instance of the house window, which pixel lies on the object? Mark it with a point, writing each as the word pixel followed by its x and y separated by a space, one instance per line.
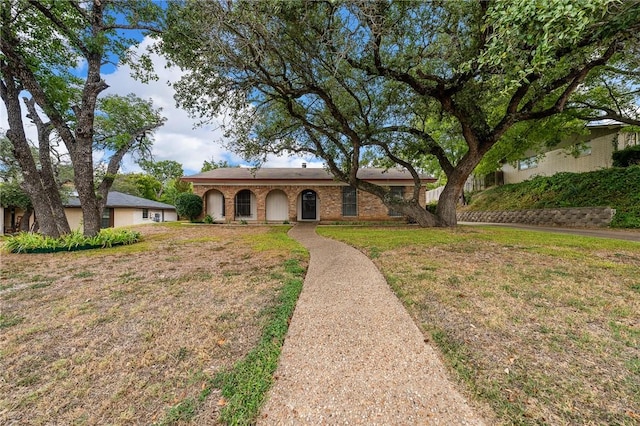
pixel 243 203
pixel 528 163
pixel 145 213
pixel 349 201
pixel 629 139
pixel 107 218
pixel 584 149
pixel 396 192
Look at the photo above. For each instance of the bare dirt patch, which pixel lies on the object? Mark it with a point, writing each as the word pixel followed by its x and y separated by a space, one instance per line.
pixel 117 336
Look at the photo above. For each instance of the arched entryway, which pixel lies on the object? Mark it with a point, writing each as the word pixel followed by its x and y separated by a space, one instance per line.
pixel 215 204
pixel 308 203
pixel 277 205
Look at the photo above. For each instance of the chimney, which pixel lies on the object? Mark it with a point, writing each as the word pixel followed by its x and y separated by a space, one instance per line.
pixel 304 165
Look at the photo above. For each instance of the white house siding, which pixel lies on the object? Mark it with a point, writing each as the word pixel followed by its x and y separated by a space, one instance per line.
pixel 130 216
pixel 215 204
pixel 277 205
pixel 74 217
pixel 602 143
pixel 121 216
pixel 169 215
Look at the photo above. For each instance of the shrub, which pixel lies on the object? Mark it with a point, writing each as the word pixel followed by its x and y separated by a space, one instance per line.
pixel 189 205
pixel 626 157
pixel 208 219
pixel 26 242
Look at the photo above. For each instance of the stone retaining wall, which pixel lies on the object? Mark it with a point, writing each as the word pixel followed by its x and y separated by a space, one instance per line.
pixel 576 217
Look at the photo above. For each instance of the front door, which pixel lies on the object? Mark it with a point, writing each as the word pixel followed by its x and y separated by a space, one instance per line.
pixel 308 205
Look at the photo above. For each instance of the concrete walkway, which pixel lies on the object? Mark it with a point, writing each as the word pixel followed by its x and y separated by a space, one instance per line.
pixel 353 355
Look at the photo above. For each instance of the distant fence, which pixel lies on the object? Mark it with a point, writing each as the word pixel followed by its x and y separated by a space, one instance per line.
pixel 575 217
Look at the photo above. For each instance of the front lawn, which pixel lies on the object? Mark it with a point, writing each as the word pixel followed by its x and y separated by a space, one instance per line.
pixel 545 328
pixel 142 334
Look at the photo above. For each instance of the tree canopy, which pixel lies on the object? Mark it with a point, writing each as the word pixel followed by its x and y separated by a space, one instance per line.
pixel 400 82
pixel 52 54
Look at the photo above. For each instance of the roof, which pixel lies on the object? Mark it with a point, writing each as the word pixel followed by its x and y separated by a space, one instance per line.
pixel 296 174
pixel 118 199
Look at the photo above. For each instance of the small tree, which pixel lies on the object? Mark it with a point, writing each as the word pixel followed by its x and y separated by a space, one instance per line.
pixel 189 205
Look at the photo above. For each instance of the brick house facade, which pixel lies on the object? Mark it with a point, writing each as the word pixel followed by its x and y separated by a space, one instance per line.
pixel 296 194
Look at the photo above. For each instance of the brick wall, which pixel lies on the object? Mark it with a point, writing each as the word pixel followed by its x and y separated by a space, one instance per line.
pixel 576 217
pixel 329 199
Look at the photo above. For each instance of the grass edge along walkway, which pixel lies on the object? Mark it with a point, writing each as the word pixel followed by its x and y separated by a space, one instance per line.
pixel 244 387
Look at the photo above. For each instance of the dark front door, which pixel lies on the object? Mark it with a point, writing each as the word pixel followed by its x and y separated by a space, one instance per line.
pixel 309 205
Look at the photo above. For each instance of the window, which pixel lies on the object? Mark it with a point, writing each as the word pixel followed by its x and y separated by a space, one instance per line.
pixel 528 163
pixel 396 192
pixel 145 213
pixel 107 218
pixel 243 203
pixel 629 139
pixel 349 201
pixel 584 149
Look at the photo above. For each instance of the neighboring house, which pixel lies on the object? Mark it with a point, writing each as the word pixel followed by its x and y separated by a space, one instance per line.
pixel 578 154
pixel 296 194
pixel 123 210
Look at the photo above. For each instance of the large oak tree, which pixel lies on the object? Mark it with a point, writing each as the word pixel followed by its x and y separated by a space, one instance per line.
pixel 52 53
pixel 350 80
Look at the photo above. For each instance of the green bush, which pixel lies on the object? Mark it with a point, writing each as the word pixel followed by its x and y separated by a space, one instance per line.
pixel 189 205
pixel 26 242
pixel 626 157
pixel 618 188
pixel 208 219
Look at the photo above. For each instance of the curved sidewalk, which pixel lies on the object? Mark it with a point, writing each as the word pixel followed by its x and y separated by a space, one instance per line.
pixel 353 355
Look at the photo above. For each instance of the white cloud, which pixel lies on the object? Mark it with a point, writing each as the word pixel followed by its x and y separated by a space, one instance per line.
pixel 179 139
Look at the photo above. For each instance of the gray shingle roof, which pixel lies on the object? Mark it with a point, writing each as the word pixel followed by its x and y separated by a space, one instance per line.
pixel 118 199
pixel 239 173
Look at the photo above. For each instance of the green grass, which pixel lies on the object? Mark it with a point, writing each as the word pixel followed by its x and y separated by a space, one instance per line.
pixel 618 188
pixel 9 320
pixel 276 238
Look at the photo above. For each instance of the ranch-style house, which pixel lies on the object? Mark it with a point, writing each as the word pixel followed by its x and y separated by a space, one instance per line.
pixel 297 194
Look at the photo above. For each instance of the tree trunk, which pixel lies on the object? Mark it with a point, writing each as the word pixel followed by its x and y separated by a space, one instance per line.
pixel 32 184
pixel 47 174
pixel 80 146
pixel 24 223
pixel 450 197
pixel 83 178
pixel 418 213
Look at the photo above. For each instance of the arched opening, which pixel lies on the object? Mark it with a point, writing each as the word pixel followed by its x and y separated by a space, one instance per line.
pixel 245 205
pixel 215 205
pixel 308 205
pixel 277 206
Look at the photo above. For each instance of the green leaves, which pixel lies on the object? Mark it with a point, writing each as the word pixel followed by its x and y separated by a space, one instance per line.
pixel 121 119
pixel 36 243
pixel 418 85
pixel 189 205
